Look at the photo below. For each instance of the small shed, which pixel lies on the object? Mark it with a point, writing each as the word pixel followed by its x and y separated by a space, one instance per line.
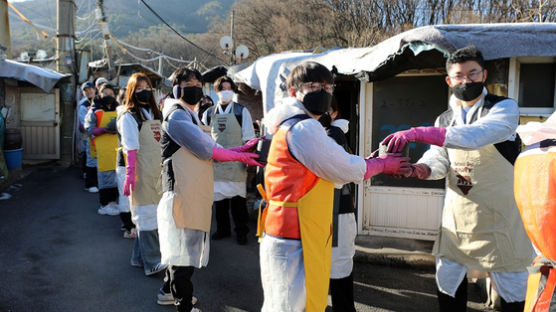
pixel 400 83
pixel 31 99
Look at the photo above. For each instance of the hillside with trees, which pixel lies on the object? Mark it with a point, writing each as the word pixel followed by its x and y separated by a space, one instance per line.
pixel 267 26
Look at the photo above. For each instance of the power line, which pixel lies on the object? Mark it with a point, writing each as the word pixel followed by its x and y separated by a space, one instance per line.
pixel 189 41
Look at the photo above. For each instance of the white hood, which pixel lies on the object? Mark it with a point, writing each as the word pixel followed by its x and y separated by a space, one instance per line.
pixel 342 124
pixel 288 107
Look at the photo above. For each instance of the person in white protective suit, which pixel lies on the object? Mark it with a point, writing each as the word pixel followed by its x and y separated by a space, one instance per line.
pixel 302 166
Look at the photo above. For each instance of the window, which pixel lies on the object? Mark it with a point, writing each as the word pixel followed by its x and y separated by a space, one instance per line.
pixel 532 82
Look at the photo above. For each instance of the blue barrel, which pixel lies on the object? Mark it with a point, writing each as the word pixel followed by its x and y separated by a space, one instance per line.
pixel 13 158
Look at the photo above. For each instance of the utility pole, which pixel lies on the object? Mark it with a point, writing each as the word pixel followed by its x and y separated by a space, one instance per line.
pixel 5 42
pixel 232 35
pixel 65 63
pixel 101 16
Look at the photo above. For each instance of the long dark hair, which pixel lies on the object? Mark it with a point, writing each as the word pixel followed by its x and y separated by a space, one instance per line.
pixel 131 102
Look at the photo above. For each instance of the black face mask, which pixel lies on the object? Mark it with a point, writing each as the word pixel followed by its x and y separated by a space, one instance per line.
pixel 144 96
pixel 325 120
pixel 468 91
pixel 317 102
pixel 191 95
pixel 107 102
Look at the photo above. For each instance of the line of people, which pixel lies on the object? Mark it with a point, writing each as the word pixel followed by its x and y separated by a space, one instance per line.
pixel 125 146
pixel 473 146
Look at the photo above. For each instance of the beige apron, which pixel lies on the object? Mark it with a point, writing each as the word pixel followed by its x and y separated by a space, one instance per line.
pixel 481 225
pixel 193 191
pixel 147 190
pixel 226 131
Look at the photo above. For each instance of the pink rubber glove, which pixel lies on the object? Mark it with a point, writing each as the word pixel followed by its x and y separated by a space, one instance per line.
pixel 129 183
pixel 429 135
pixel 389 164
pixel 222 154
pixel 99 131
pixel 247 146
pixel 419 171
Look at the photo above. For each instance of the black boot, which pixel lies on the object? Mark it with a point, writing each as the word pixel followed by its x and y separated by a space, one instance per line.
pixel 458 304
pixel 222 208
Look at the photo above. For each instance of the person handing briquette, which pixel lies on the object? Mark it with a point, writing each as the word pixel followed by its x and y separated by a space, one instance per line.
pixel 474 146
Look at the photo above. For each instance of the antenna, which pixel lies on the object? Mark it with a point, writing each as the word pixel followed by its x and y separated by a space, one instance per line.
pixel 41 54
pixel 242 52
pixel 226 43
pixel 24 56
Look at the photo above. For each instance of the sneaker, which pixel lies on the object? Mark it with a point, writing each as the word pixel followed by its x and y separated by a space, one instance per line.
pixel 130 234
pixel 164 298
pixel 114 205
pixel 156 269
pixel 108 210
pixel 92 189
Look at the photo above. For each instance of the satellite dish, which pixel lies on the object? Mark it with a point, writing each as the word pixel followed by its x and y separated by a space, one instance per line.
pixel 41 54
pixel 226 43
pixel 242 52
pixel 24 56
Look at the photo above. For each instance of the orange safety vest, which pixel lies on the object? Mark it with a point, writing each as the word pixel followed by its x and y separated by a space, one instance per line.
pixel 535 195
pixel 300 207
pixel 286 181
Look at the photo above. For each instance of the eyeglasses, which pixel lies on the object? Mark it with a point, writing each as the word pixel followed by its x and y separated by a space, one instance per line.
pixel 473 76
pixel 315 86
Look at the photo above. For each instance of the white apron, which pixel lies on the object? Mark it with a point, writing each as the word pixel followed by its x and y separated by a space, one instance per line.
pixel 481 226
pixel 226 131
pixel 146 194
pixel 184 215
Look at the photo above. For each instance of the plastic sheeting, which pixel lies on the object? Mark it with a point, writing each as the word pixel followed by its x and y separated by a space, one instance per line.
pixel 534 131
pixel 43 78
pixel 423 47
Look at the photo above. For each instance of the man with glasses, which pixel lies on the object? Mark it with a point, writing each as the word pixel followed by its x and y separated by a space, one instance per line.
pixel 474 146
pixel 302 165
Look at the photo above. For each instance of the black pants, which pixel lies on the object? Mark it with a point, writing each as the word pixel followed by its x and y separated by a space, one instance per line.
pixel 178 282
pixel 459 303
pixel 107 195
pixel 239 214
pixel 126 220
pixel 91 177
pixel 341 291
pixel 83 158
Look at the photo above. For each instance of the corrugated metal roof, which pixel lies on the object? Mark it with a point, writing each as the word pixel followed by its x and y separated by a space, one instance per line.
pixel 421 47
pixel 43 78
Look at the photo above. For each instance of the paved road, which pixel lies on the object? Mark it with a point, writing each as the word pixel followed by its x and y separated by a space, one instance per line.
pixel 58 254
